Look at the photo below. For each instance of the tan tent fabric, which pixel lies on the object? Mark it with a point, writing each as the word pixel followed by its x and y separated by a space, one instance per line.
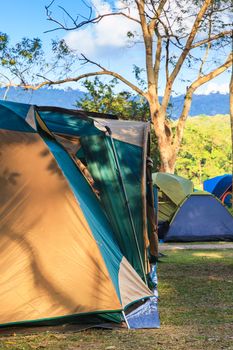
pixel 42 124
pixel 124 130
pixel 30 118
pixel 131 285
pixel 70 143
pixel 45 239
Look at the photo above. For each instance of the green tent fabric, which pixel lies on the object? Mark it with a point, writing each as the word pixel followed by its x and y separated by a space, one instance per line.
pixel 101 163
pixel 73 225
pixel 173 190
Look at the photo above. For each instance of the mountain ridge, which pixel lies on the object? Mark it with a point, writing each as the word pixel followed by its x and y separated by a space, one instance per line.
pixel 211 104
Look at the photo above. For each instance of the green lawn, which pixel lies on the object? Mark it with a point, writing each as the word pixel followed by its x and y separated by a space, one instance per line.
pixel 196 310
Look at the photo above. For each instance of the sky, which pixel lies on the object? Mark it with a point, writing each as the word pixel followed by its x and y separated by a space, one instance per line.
pixel 105 42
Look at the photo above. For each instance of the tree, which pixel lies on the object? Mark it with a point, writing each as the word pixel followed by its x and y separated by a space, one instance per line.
pixel 175 34
pixel 231 117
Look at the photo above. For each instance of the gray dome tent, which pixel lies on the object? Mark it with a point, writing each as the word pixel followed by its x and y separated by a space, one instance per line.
pixel 201 217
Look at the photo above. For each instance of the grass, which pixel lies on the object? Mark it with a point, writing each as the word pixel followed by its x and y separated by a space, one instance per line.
pixel 196 310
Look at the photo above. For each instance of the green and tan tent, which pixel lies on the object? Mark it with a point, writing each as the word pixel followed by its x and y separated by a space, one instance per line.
pixel 73 217
pixel 171 191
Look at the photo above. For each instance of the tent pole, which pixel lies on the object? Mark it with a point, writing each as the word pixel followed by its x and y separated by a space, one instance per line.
pixel 126 200
pixel 126 321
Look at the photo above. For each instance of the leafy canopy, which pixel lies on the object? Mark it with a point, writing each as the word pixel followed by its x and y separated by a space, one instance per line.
pixel 102 97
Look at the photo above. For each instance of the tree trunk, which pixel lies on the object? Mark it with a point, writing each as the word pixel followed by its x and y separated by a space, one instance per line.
pixel 231 118
pixel 167 155
pixel 163 133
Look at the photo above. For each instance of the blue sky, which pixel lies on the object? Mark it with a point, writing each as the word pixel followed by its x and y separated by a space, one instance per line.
pixel 104 42
pixel 23 18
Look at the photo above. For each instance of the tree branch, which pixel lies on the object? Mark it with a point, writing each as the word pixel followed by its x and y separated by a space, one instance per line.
pixel 189 40
pixel 157 59
pixel 207 48
pixel 188 98
pixel 231 120
pixel 158 12
pixel 87 60
pixel 213 74
pixel 183 56
pixel 167 59
pixel 48 82
pixel 86 21
pixel 212 38
pixel 148 42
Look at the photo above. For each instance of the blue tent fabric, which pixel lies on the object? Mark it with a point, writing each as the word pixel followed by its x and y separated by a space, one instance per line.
pixel 14 119
pixel 69 124
pixel 20 109
pixel 218 185
pixel 201 218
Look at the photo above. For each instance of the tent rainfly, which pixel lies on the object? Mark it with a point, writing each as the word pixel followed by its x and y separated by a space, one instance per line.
pixel 172 190
pixel 200 218
pixel 220 187
pixel 73 226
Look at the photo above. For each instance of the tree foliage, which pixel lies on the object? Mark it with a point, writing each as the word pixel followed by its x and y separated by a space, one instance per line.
pixel 25 62
pixel 102 97
pixel 206 148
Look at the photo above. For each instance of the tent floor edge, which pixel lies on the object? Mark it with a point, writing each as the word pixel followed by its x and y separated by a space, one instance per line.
pixel 60 328
pixel 88 319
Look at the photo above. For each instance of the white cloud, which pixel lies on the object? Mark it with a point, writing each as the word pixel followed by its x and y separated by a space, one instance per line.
pixel 101 7
pixel 110 32
pixel 212 87
pixel 81 40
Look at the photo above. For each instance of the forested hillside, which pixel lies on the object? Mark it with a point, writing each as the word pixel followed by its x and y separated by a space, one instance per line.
pixel 211 104
pixel 206 148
